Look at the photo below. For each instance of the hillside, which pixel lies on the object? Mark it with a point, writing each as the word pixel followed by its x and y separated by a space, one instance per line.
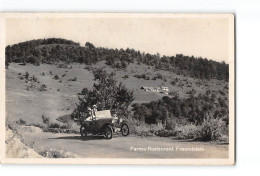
pixel 44 77
pixel 54 50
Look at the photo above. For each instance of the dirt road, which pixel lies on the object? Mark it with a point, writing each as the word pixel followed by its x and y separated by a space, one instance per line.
pixel 127 147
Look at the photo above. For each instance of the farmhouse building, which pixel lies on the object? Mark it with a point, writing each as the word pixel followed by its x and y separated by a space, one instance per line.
pixel 156 89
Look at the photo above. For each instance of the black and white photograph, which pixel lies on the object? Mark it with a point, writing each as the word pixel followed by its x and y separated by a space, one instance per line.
pixel 118 88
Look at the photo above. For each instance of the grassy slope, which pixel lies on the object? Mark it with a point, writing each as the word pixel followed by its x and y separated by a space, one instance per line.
pixel 31 105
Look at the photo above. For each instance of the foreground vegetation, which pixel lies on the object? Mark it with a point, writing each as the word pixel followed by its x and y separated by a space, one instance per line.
pixel 203 118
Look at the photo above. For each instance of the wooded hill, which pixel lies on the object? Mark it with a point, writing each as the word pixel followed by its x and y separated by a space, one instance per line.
pixel 54 50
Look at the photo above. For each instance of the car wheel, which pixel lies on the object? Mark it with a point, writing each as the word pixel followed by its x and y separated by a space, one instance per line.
pixel 125 129
pixel 108 132
pixel 83 131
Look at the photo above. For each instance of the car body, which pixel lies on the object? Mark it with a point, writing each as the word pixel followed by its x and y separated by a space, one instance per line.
pixel 103 123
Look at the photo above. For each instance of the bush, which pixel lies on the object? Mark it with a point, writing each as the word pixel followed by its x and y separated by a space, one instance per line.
pixel 210 129
pixel 221 92
pixel 166 133
pixel 143 129
pixel 143 76
pixel 54 125
pixel 31 87
pixel 87 68
pixel 125 77
pixel 74 79
pixel 186 131
pixel 173 93
pixel 27 75
pixel 173 83
pixel 34 79
pixel 45 120
pixel 62 65
pixel 170 124
pixel 56 77
pixel 43 87
pixel 21 122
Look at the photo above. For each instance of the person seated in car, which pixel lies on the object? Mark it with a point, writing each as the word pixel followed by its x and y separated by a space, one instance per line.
pixel 89 114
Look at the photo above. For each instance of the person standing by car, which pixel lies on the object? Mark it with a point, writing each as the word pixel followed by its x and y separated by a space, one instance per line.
pixel 94 110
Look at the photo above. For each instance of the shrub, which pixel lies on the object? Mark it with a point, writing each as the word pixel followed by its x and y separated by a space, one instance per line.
pixel 87 68
pixel 221 92
pixel 27 75
pixel 191 92
pixel 210 129
pixel 62 65
pixel 173 83
pixel 143 129
pixel 54 125
pixel 21 122
pixel 34 79
pixel 143 76
pixel 173 93
pixel 125 77
pixel 65 126
pixel 186 131
pixel 43 87
pixel 45 120
pixel 166 133
pixel 30 87
pixel 74 79
pixel 56 77
pixel 170 124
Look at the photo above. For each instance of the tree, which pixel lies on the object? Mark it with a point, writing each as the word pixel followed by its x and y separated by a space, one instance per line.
pixel 89 45
pixel 106 94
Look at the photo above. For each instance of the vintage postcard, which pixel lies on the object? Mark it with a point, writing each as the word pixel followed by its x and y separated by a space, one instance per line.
pixel 117 88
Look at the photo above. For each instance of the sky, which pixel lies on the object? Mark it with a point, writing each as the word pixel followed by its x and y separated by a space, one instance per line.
pixel 205 37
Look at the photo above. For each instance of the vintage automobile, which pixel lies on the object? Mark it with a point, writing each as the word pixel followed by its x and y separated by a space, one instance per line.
pixel 103 124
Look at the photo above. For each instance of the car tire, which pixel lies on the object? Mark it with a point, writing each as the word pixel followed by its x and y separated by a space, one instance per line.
pixel 83 131
pixel 125 129
pixel 108 132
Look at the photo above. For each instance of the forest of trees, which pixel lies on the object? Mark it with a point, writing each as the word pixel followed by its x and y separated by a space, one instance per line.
pixel 54 50
pixel 183 111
